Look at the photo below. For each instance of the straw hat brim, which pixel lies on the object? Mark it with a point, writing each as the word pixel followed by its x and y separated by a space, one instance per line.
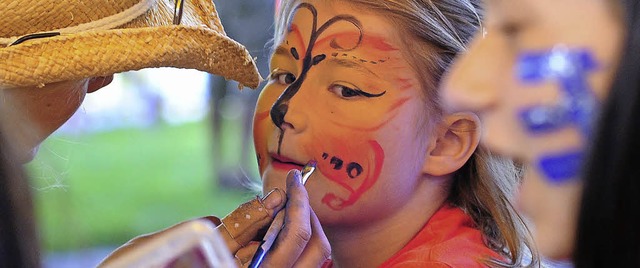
pixel 100 53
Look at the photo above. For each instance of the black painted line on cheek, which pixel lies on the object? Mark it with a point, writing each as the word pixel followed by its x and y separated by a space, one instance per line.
pixel 354 166
pixel 281 136
pixel 336 162
pixel 353 169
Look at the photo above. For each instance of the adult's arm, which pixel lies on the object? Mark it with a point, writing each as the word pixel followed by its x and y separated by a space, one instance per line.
pixel 245 224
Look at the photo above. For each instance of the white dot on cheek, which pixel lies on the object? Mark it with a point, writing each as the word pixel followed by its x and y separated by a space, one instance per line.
pixel 259 209
pixel 236 225
pixel 247 216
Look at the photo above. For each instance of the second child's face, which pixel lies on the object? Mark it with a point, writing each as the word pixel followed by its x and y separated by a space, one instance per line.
pixel 342 94
pixel 536 77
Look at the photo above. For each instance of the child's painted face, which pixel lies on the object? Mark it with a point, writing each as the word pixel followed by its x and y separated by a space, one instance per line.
pixel 342 93
pixel 536 80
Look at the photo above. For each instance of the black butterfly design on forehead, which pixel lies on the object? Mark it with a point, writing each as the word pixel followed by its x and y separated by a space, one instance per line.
pixel 281 105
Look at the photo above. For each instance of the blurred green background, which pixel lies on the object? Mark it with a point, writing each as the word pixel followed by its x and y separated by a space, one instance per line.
pixel 105 188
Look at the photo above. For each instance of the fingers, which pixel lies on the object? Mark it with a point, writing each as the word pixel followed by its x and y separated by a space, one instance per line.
pixel 296 233
pixel 244 254
pixel 274 201
pixel 244 223
pixel 318 249
pixel 274 229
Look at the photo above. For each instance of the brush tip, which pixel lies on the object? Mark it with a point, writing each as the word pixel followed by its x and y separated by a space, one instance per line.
pixel 312 163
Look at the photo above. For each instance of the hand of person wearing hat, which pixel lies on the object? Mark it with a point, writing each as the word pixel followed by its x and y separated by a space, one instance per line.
pixel 300 242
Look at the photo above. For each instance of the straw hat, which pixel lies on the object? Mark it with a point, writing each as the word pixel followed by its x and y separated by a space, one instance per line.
pixel 45 41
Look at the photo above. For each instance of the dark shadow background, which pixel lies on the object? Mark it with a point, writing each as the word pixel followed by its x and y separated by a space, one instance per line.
pixel 249 22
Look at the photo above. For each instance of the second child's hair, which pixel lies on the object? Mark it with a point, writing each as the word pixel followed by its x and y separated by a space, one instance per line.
pixel 437 31
pixel 607 233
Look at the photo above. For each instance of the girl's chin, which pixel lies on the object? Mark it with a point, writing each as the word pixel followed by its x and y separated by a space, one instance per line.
pixel 274 178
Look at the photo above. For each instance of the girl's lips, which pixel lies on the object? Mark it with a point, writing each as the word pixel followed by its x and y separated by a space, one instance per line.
pixel 283 163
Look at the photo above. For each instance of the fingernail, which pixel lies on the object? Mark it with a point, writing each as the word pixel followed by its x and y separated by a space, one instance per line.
pixel 293 179
pixel 299 176
pixel 272 200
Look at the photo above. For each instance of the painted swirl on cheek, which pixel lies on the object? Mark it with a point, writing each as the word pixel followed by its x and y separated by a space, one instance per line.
pixel 355 167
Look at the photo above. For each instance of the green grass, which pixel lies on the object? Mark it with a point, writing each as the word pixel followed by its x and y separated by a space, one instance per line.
pixel 104 189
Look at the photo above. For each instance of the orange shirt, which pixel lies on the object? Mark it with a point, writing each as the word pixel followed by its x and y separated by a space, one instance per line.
pixel 449 239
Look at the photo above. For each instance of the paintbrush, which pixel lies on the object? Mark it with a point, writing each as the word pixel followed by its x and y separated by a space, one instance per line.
pixel 308 169
pixel 275 227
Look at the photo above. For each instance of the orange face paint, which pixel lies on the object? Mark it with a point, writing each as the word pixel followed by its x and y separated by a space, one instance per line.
pixel 338 95
pixel 355 169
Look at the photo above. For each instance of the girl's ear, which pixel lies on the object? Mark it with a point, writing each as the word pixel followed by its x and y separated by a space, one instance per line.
pixel 455 141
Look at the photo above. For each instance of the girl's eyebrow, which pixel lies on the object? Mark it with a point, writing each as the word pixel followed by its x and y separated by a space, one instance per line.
pixel 510 9
pixel 282 51
pixel 353 65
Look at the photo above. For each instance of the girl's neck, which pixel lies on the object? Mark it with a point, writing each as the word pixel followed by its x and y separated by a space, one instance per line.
pixel 372 244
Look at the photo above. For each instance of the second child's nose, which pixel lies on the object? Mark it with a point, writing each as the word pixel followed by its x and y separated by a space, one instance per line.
pixel 476 78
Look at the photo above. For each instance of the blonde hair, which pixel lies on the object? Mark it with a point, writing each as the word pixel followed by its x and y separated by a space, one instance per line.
pixel 437 31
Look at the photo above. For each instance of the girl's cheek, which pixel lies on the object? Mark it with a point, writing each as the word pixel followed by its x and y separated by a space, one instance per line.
pixel 351 161
pixel 262 124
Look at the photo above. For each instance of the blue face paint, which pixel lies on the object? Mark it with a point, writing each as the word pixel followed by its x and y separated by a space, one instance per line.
pixel 578 106
pixel 560 167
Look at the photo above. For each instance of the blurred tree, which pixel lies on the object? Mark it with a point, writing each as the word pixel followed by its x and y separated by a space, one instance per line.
pixel 249 22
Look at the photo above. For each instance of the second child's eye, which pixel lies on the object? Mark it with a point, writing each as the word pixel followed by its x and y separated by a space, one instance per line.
pixel 513 31
pixel 510 30
pixel 283 78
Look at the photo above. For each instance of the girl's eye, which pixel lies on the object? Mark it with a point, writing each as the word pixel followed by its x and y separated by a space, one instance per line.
pixel 346 92
pixel 283 78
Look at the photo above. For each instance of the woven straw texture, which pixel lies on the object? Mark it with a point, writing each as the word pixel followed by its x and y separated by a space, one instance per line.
pixel 21 17
pixel 141 42
pixel 114 51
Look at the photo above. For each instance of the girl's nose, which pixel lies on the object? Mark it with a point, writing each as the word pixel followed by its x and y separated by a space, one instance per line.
pixel 289 111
